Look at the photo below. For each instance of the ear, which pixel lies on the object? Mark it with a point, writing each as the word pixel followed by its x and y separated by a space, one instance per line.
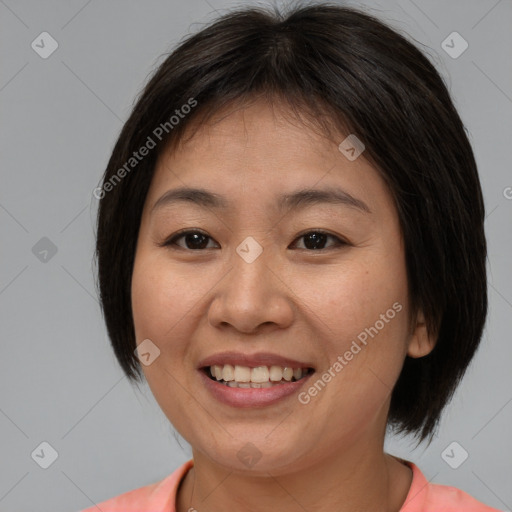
pixel 421 342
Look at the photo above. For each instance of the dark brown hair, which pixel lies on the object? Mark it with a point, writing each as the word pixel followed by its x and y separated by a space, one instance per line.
pixel 341 67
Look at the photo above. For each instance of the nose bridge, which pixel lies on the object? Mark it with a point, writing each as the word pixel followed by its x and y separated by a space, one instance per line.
pixel 256 252
pixel 250 262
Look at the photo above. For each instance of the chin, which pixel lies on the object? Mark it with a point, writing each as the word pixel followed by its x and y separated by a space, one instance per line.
pixel 257 455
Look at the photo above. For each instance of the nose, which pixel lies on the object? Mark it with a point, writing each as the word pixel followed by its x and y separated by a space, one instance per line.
pixel 252 295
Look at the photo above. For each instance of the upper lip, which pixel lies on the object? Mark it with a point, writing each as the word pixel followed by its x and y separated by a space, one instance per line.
pixel 252 360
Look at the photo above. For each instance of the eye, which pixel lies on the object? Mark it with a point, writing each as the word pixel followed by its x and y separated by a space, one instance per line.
pixel 315 240
pixel 197 240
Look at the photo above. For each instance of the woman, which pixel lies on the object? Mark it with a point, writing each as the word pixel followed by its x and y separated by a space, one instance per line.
pixel 290 240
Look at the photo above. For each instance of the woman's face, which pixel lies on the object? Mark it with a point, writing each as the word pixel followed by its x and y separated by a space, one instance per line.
pixel 259 286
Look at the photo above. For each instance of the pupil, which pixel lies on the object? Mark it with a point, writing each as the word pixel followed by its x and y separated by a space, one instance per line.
pixel 317 239
pixel 195 237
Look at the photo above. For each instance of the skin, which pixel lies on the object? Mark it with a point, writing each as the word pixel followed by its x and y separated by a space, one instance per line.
pixel 193 303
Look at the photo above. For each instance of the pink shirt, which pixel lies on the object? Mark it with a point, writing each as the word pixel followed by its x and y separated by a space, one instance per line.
pixel 423 496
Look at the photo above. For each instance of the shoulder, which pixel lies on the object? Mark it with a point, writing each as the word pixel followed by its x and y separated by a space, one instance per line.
pixel 160 496
pixel 424 496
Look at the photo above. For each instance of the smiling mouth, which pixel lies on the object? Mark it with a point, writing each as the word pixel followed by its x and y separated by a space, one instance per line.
pixel 236 376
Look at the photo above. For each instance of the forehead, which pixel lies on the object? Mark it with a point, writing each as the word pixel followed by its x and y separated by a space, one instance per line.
pixel 257 127
pixel 260 151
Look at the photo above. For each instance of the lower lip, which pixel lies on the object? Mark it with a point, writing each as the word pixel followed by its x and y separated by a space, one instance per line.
pixel 251 397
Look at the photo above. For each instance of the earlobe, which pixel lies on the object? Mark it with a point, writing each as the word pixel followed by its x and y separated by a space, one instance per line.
pixel 421 342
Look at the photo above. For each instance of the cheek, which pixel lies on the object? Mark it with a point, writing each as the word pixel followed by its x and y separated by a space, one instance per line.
pixel 168 308
pixel 149 299
pixel 161 296
pixel 363 313
pixel 350 297
pixel 162 305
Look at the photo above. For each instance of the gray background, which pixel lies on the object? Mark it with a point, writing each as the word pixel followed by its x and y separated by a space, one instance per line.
pixel 59 381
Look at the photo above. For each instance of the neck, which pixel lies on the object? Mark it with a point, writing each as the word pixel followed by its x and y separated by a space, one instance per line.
pixel 359 479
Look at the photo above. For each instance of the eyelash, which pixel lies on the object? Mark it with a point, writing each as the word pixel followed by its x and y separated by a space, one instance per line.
pixel 171 242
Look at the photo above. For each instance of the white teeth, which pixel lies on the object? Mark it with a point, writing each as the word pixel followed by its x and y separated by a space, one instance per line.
pixel 242 373
pixel 228 373
pixel 259 374
pixel 276 373
pixel 217 372
pixel 288 374
pixel 258 377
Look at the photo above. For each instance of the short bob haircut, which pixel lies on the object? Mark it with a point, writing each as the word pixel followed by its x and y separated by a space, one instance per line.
pixel 336 67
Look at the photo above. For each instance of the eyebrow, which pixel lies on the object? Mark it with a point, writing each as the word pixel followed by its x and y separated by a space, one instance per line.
pixel 293 201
